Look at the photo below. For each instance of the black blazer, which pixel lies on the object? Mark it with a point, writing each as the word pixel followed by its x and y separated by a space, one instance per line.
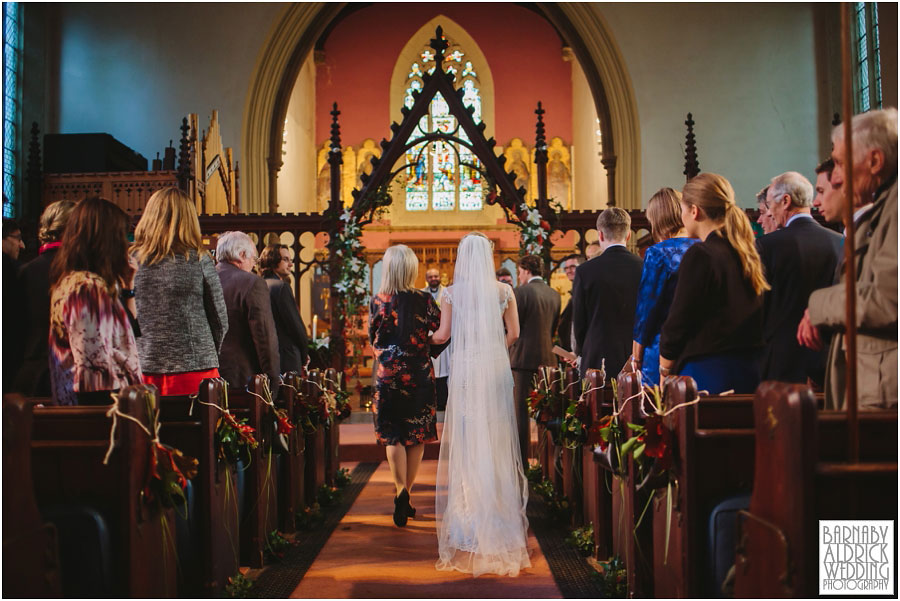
pixel 34 278
pixel 797 260
pixel 293 345
pixel 250 346
pixel 604 297
pixel 715 309
pixel 538 308
pixel 564 331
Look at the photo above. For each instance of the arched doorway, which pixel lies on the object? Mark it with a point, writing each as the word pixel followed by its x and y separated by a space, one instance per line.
pixel 293 37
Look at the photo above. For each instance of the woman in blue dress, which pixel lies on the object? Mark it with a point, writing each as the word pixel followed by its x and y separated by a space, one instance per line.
pixel 658 280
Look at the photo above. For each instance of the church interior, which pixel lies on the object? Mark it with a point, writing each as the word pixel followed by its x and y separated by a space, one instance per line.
pixel 322 126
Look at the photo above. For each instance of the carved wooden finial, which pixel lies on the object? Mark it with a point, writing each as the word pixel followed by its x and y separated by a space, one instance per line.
pixel 440 45
pixel 334 152
pixel 691 164
pixel 540 141
pixel 184 156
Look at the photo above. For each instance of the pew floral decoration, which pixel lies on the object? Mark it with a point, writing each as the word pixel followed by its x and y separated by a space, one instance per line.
pixel 168 469
pixel 577 428
pixel 544 404
pixel 234 438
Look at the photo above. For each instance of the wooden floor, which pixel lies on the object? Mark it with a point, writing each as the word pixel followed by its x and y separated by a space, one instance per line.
pixel 367 556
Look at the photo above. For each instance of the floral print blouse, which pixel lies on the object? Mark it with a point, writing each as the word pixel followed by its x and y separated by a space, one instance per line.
pixel 92 346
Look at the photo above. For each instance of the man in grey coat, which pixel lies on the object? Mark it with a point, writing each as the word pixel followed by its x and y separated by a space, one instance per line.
pixel 251 343
pixel 875 217
pixel 538 306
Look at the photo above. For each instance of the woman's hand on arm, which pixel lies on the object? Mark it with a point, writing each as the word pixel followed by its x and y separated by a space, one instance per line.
pixel 443 331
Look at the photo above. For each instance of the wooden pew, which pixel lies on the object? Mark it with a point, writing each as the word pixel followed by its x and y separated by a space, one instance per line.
pixel 260 506
pixel 30 555
pixel 713 448
pixel 68 446
pixel 571 460
pixel 803 475
pixel 596 481
pixel 290 490
pixel 332 432
pixel 189 424
pixel 314 454
pixel 633 545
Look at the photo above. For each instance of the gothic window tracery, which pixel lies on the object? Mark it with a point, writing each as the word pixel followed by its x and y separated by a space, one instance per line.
pixel 443 177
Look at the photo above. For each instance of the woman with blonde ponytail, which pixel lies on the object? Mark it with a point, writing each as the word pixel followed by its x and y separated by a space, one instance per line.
pixel 714 329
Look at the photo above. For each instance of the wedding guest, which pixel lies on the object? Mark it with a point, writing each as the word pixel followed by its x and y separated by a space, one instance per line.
pixel 33 378
pixel 92 347
pixel 797 259
pixel 875 198
pixel 250 345
pixel 12 303
pixel 504 275
pixel 658 279
pixel 400 321
pixel 765 220
pixel 605 297
pixel 275 266
pixel 828 201
pixel 178 295
pixel 538 308
pixel 564 331
pixel 441 363
pixel 714 331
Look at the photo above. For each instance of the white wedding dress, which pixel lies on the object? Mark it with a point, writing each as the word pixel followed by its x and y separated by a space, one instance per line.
pixel 481 491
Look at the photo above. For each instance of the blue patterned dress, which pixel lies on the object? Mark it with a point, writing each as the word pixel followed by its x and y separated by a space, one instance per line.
pixel 655 295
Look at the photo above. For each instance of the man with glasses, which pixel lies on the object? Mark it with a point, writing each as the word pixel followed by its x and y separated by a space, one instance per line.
pixel 250 346
pixel 276 266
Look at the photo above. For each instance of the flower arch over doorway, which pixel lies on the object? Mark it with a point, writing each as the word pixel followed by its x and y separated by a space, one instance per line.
pixel 295 32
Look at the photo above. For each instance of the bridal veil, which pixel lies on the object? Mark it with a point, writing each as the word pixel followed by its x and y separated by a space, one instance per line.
pixel 481 491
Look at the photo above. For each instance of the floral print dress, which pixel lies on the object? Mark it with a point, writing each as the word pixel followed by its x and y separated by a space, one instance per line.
pixel 405 404
pixel 92 345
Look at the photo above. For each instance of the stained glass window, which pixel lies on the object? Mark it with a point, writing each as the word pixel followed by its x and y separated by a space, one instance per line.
pixel 12 50
pixel 868 56
pixel 443 176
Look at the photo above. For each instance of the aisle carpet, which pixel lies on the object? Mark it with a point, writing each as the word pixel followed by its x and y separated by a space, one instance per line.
pixel 368 557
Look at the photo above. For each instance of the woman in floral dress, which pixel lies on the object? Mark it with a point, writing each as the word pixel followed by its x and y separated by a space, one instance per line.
pixel 400 320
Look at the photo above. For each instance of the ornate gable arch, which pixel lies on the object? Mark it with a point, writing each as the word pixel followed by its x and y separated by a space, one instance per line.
pixel 410 53
pixel 293 37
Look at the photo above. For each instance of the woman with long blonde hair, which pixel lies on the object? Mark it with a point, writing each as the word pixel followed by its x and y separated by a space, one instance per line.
pixel 715 325
pixel 401 318
pixel 179 296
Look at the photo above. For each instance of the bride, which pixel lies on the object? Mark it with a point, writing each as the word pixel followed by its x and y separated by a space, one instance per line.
pixel 481 489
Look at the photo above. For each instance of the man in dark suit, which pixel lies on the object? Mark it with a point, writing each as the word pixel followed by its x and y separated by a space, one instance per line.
pixel 564 332
pixel 798 258
pixel 538 307
pixel 251 344
pixel 604 296
pixel 276 265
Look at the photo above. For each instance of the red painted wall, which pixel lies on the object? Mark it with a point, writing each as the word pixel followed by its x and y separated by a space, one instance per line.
pixel 521 48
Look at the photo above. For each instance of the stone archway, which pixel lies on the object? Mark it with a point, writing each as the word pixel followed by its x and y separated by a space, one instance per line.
pixel 296 30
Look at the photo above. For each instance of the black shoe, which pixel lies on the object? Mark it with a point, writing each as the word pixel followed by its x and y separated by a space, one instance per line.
pixel 410 511
pixel 401 508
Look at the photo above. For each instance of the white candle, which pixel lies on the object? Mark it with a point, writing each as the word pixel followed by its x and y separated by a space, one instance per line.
pixel 315 323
